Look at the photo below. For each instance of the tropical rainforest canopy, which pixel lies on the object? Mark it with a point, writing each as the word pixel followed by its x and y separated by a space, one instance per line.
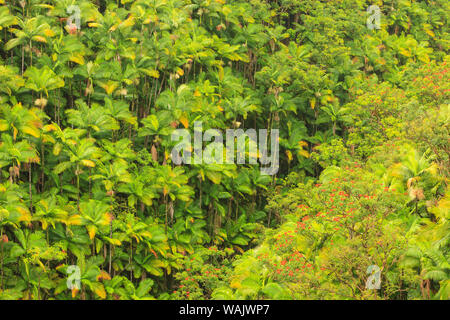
pixel 91 92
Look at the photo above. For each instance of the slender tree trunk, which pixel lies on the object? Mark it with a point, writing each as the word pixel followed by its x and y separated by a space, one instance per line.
pixel 165 202
pixel 200 192
pixel 23 59
pixel 59 108
pixel 131 260
pixel 31 53
pixel 1 257
pixel 29 187
pixel 90 187
pixel 110 236
pixel 78 188
pixel 42 166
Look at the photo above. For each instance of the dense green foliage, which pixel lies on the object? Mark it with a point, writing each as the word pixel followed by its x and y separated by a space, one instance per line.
pixel 87 178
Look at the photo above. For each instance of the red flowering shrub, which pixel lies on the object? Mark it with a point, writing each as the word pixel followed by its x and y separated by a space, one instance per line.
pixel 332 232
pixel 204 271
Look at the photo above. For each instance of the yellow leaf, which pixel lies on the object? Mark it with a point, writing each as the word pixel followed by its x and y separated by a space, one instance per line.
pixel 381 61
pixel 103 276
pixel 115 242
pixel 184 121
pixel 74 220
pixel 312 103
pixel 109 87
pixel 88 163
pixel 24 214
pixel 221 74
pixel 91 230
pixel 289 155
pixel 48 139
pixel 40 39
pixel 50 127
pixel 59 267
pixel 106 219
pixel 405 52
pixel 239 249
pixel 428 31
pixel 31 131
pixel 74 292
pixel 3 125
pixel 235 284
pixel 100 290
pixel 35 160
pixel 57 149
pixel 226 10
pixel 128 22
pixel 49 32
pixel 304 153
pixel 77 58
pixel 152 73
